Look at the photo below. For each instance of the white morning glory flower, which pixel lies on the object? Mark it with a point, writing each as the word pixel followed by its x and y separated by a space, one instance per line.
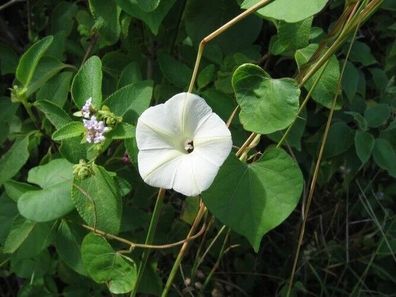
pixel 182 144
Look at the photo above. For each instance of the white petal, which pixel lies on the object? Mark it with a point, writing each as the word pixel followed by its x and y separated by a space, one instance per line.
pixel 194 175
pixel 158 167
pixel 155 129
pixel 212 140
pixel 192 110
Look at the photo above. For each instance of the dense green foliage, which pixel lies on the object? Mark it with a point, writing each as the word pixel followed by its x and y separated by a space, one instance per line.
pixel 74 215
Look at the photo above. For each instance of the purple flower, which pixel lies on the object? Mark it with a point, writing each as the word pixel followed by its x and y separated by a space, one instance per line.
pixel 95 130
pixel 86 109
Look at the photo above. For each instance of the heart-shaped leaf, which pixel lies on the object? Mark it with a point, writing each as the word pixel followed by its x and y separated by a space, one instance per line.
pixel 364 144
pixel 68 246
pixel 53 200
pixel 254 198
pixel 385 156
pixel 326 87
pixel 288 11
pixel 148 5
pixel 13 160
pixel 152 19
pixel 105 265
pixel 267 104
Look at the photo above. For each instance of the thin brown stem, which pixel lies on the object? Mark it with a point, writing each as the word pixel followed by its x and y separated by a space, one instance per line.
pixel 9 3
pixel 92 42
pixel 218 32
pixel 133 245
pixel 315 175
pixel 183 250
pixel 246 144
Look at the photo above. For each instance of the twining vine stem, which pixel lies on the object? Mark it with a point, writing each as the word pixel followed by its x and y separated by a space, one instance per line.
pixel 320 155
pixel 133 245
pixel 218 32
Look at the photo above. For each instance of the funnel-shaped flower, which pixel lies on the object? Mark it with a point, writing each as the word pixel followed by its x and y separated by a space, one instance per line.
pixel 182 144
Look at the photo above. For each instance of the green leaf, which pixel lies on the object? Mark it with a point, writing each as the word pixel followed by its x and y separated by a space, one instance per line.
pixel 56 115
pixel 389 5
pixel 70 130
pixel 15 189
pixel 359 119
pixel 380 79
pixel 30 59
pixel 295 134
pixel 339 140
pixel 202 17
pixel 174 71
pixel 46 69
pixel 377 115
pixel 58 47
pixel 53 200
pixel 88 83
pixel 385 156
pixel 361 53
pixel 62 17
pixel 130 74
pixel 98 200
pixel 151 282
pixel 350 81
pixel 152 19
pixel 114 62
pixel 326 87
pixel 206 76
pixel 68 245
pixel 56 89
pixel 148 5
pixel 73 150
pixel 20 230
pixel 288 11
pixel 104 265
pixel 37 241
pixel 364 144
pixel 131 100
pixel 267 104
pixel 291 36
pixel 8 212
pixel 263 196
pixel 36 266
pixel 13 160
pixel 7 109
pixel 132 150
pixel 122 131
pixel 109 12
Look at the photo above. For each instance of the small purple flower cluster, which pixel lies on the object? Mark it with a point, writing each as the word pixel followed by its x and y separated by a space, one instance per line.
pixel 95 128
pixel 86 109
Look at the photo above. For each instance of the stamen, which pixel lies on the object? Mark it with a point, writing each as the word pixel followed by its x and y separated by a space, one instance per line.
pixel 189 146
